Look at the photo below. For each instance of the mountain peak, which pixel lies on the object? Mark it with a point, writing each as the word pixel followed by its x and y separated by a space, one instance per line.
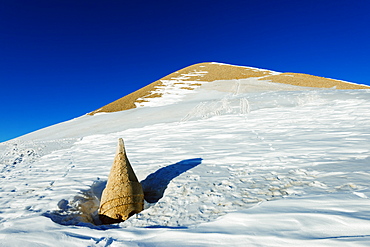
pixel 187 78
pixel 194 76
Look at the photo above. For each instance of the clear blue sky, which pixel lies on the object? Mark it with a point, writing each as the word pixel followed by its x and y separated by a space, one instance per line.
pixel 60 59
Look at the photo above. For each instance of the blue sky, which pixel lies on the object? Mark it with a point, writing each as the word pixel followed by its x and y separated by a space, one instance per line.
pixel 61 59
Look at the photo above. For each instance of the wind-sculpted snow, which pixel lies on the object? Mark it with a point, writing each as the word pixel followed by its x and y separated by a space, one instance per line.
pixel 252 169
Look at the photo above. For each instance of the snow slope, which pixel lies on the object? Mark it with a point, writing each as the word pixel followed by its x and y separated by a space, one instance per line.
pixel 231 163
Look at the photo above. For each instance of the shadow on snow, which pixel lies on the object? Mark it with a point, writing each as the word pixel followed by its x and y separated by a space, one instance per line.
pixel 82 210
pixel 156 183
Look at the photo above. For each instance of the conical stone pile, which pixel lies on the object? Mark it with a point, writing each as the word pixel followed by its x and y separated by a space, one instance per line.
pixel 123 196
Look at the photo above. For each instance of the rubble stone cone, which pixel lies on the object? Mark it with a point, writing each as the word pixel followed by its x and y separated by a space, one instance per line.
pixel 123 196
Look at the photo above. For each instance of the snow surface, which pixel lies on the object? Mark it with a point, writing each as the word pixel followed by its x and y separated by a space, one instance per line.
pixel 235 165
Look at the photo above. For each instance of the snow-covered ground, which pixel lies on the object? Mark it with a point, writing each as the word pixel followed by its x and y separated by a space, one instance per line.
pixel 237 163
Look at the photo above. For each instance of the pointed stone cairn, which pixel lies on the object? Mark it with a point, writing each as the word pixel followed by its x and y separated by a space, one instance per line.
pixel 123 196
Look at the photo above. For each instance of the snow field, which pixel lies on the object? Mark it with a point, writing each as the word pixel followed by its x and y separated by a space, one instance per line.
pixel 259 169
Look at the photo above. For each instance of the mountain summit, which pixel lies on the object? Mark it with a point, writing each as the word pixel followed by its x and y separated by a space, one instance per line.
pixel 196 92
pixel 197 75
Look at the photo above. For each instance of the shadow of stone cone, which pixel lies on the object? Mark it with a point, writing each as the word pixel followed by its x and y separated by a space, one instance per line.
pixel 123 196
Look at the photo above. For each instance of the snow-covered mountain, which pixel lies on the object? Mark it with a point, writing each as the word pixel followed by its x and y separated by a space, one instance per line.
pixel 239 156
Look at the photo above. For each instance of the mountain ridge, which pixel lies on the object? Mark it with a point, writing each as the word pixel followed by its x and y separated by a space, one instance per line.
pixel 195 75
pixel 202 89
